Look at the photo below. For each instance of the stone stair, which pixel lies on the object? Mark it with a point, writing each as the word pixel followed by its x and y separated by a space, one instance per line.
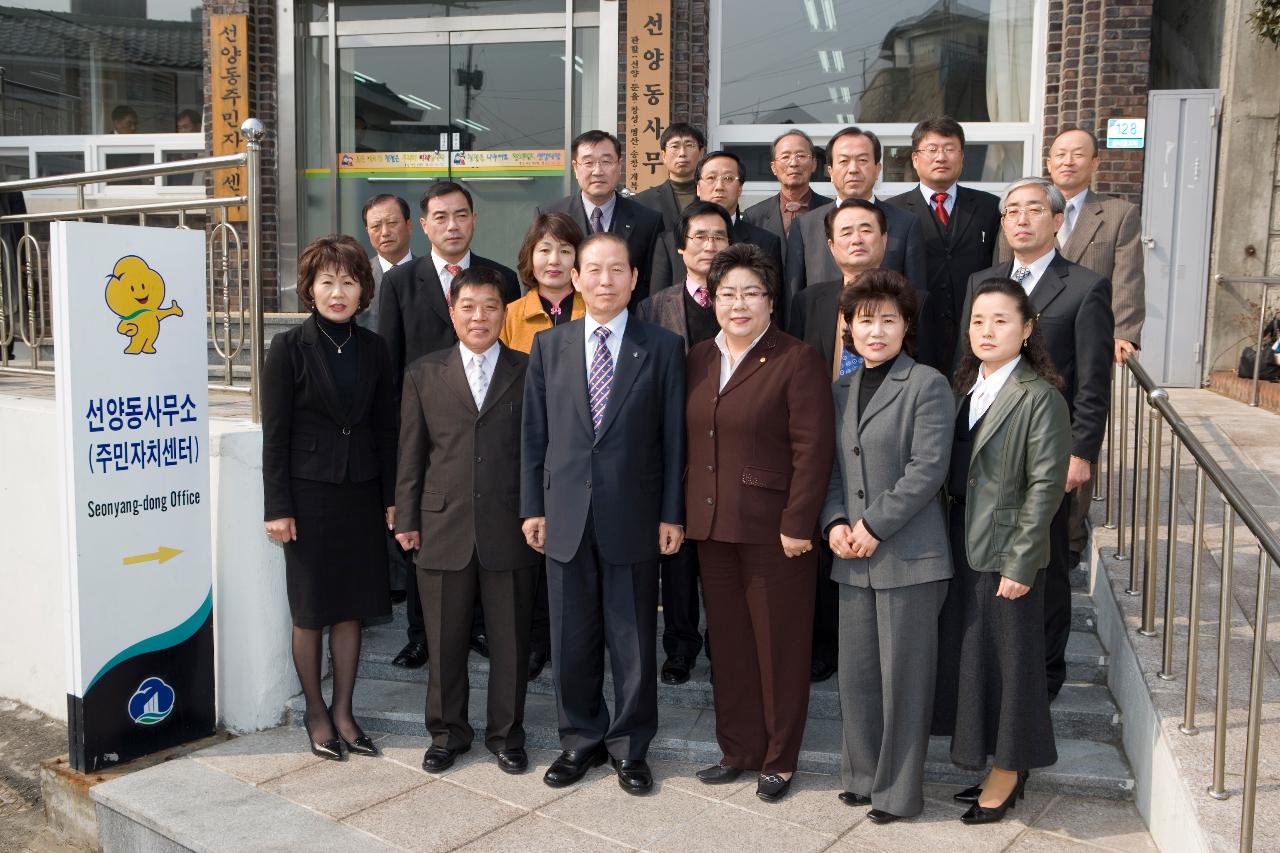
pixel 1086 720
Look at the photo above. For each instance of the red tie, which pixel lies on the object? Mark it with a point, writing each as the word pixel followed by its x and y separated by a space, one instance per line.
pixel 940 208
pixel 454 271
pixel 702 296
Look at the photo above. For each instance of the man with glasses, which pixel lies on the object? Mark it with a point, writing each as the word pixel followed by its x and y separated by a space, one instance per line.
pixel 598 207
pixel 1073 309
pixel 720 176
pixel 793 163
pixel 960 227
pixel 682 147
pixel 854 163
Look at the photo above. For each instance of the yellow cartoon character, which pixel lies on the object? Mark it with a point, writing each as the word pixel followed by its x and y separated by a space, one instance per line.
pixel 134 292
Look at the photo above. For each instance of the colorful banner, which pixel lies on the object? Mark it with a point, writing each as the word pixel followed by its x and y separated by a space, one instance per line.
pixel 229 95
pixel 648 97
pixel 456 164
pixel 133 414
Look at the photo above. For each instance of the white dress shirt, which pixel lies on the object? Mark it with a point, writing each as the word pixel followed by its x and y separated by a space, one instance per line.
pixel 1071 216
pixel 949 204
pixel 446 280
pixel 1037 267
pixel 727 364
pixel 984 390
pixel 387 265
pixel 613 343
pixel 606 212
pixel 490 360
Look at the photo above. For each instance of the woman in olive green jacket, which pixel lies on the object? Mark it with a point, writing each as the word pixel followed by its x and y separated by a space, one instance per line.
pixel 1008 475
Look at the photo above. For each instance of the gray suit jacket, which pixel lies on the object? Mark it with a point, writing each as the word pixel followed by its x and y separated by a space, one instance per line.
pixel 768 215
pixel 889 471
pixel 1107 240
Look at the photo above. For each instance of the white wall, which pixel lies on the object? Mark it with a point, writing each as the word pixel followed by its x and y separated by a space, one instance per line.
pixel 252 628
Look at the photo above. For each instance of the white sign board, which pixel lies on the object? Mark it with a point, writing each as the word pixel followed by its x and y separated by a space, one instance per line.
pixel 132 390
pixel 1126 132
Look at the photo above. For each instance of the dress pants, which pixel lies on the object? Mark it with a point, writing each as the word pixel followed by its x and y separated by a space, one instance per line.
pixel 416 631
pixel 1081 501
pixel 680 611
pixel 826 608
pixel 760 617
pixel 888 667
pixel 1057 597
pixel 596 605
pixel 540 632
pixel 447 599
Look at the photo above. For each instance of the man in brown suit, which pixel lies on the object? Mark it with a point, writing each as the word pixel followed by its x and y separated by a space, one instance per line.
pixel 458 474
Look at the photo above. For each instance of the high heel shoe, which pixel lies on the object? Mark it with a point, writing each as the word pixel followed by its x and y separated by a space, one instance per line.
pixel 361 745
pixel 330 750
pixel 978 813
pixel 971 794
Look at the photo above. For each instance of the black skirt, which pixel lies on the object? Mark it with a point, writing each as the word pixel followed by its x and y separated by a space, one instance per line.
pixel 992 695
pixel 337 567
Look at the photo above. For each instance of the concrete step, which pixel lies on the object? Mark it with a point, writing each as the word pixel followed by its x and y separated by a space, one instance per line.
pixel 1084 615
pixel 1085 767
pixel 1087 660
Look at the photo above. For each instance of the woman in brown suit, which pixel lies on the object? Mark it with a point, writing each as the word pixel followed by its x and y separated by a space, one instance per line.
pixel 761 444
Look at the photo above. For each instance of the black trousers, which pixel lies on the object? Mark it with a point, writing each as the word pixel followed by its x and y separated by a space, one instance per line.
pixel 1057 596
pixel 680 611
pixel 597 605
pixel 826 609
pixel 416 631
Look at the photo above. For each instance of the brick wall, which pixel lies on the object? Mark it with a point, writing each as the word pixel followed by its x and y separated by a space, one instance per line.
pixel 1098 63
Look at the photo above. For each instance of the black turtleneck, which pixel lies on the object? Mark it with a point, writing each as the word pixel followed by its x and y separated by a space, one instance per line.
pixel 872 378
pixel 343 366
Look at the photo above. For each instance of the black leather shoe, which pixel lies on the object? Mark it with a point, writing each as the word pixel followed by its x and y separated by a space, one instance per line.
pixel 634 775
pixel 513 760
pixel 537 661
pixel 571 765
pixel 772 787
pixel 718 774
pixel 977 813
pixel 362 745
pixel 820 670
pixel 676 669
pixel 849 798
pixel 412 656
pixel 480 644
pixel 329 750
pixel 440 758
pixel 968 795
pixel 398 596
pixel 882 816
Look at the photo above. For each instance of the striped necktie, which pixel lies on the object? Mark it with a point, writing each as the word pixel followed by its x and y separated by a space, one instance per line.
pixel 601 378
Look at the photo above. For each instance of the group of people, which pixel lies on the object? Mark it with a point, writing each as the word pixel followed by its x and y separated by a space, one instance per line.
pixel 857 425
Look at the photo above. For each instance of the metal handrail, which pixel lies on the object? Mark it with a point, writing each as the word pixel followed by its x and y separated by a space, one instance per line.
pixel 30 293
pixel 1235 506
pixel 1267 282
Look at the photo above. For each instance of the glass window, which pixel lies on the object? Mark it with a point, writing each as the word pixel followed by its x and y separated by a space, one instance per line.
pixel 121 67
pixel 13 167
pixel 50 163
pixel 864 61
pixel 360 10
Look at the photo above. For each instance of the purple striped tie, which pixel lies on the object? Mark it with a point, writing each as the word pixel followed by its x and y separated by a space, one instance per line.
pixel 601 378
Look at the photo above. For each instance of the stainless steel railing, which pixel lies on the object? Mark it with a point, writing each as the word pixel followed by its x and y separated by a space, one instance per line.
pixel 1267 282
pixel 234 265
pixel 1125 456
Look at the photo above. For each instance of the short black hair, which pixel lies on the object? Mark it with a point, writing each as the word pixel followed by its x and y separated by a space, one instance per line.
pixel 829 221
pixel 440 188
pixel 602 237
pixel 123 111
pixel 379 199
pixel 594 137
pixel 713 155
pixel 700 208
pixel 877 150
pixel 872 288
pixel 193 115
pixel 682 128
pixel 474 276
pixel 941 125
pixel 1089 133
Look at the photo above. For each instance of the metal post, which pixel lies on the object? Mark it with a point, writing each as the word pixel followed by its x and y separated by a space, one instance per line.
pixel 1257 351
pixel 1154 432
pixel 1122 435
pixel 253 133
pixel 1171 560
pixel 1109 521
pixel 1250 790
pixel 1136 478
pixel 1218 790
pixel 1188 726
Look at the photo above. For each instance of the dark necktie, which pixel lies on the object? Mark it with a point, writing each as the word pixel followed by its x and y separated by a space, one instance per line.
pixel 601 379
pixel 597 221
pixel 940 208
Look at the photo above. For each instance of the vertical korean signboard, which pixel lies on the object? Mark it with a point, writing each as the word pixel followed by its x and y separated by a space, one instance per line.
pixel 132 390
pixel 648 95
pixel 229 91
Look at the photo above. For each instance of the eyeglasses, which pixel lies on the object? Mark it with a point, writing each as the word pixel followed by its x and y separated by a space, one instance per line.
pixel 727 180
pixel 1035 211
pixel 935 150
pixel 603 163
pixel 682 145
pixel 718 238
pixel 788 159
pixel 750 296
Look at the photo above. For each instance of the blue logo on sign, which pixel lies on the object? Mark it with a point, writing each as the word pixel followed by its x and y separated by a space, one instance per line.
pixel 152 702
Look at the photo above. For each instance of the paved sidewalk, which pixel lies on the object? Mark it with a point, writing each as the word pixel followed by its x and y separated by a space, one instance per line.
pixel 389 803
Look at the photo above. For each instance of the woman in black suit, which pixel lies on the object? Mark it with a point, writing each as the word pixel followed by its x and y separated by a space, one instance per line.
pixel 328 470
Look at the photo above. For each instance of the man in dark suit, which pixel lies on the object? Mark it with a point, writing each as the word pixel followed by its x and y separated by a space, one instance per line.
pixel 597 166
pixel 459 466
pixel 685 309
pixel 601 494
pixel 1073 306
pixel 413 318
pixel 682 147
pixel 386 221
pixel 960 228
pixel 793 163
pixel 854 162
pixel 720 176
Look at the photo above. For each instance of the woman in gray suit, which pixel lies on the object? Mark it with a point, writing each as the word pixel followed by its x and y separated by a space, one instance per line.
pixel 884 521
